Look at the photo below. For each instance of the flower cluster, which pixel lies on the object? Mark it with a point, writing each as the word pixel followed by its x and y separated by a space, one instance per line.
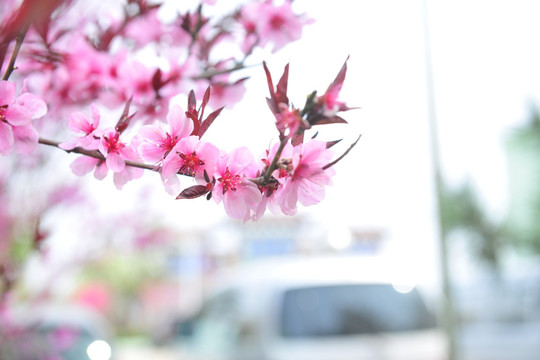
pixel 74 59
pixel 290 172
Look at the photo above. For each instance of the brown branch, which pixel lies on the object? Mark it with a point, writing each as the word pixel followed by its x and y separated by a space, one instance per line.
pixel 343 155
pixel 97 155
pixel 273 164
pixel 18 43
pixel 210 74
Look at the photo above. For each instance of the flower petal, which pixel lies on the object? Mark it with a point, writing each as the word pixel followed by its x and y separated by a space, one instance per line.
pixel 26 137
pixel 17 115
pixel 83 165
pixel 6 138
pixel 7 93
pixel 34 105
pixel 179 124
pixel 115 162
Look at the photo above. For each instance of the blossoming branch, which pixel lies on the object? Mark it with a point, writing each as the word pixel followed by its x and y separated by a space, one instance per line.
pixel 69 66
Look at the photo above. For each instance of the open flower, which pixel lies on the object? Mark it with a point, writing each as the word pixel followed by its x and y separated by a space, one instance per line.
pixel 278 25
pixel 240 196
pixel 16 114
pixel 191 157
pixel 80 123
pixel 156 143
pixel 115 151
pixel 306 182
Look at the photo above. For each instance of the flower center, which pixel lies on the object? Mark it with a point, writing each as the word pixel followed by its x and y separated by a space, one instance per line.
pixel 277 22
pixel 229 182
pixel 113 144
pixel 3 108
pixel 190 163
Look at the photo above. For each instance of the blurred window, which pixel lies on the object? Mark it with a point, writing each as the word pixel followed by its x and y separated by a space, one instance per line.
pixel 352 309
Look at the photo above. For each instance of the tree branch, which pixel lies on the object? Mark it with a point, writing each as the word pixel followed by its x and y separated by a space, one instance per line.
pixel 343 155
pixel 97 155
pixel 18 43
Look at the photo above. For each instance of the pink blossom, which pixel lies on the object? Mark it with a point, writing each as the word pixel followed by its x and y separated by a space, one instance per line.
pixel 115 151
pixel 156 143
pixel 306 182
pixel 278 25
pixel 84 164
pixel 226 94
pixel 240 196
pixel 16 114
pixel 288 121
pixel 191 157
pixel 80 123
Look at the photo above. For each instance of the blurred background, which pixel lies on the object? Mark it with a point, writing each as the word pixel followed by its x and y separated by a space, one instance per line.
pixel 444 183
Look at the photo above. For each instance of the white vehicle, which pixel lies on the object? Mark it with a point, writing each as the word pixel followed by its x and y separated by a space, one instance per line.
pixel 314 309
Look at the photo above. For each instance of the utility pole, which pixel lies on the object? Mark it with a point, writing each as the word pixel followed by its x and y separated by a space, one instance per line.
pixel 449 318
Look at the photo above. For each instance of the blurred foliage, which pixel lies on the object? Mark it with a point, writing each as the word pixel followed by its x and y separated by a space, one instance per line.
pixel 523 147
pixel 462 210
pixel 124 272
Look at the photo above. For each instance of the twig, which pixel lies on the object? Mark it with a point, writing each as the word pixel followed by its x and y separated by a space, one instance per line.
pixel 266 176
pixel 97 155
pixel 343 155
pixel 18 43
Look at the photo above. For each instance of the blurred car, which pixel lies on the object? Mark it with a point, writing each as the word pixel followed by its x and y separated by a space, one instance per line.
pixel 45 332
pixel 336 308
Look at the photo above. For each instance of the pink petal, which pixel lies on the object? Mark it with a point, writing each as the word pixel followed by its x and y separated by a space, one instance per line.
pixel 26 137
pixel 17 115
pixel 6 137
pixel 234 205
pixel 95 116
pixel 151 152
pixel 7 93
pixel 83 165
pixel 69 144
pixel 79 122
pixel 101 170
pixel 310 193
pixel 152 133
pixel 115 162
pixel 179 124
pixel 34 104
pixel 170 181
pixel 129 173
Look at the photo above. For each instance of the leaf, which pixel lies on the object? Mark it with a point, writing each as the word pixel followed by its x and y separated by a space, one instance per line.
pixel 205 100
pixel 208 121
pixel 272 102
pixel 192 112
pixel 338 81
pixel 329 144
pixel 123 122
pixel 324 120
pixel 193 192
pixel 157 81
pixel 281 90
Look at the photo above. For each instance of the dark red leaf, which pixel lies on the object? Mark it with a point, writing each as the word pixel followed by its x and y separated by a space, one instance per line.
pixel 157 80
pixel 205 100
pixel 193 192
pixel 192 113
pixel 338 81
pixel 123 122
pixel 329 144
pixel 281 90
pixel 272 102
pixel 324 120
pixel 297 139
pixel 208 121
pixel 192 101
